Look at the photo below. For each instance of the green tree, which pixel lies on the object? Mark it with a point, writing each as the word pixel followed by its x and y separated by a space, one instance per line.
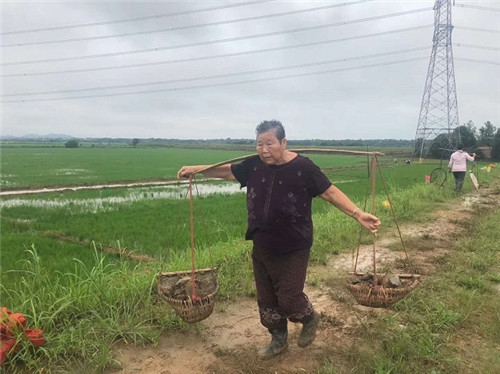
pixel 135 141
pixel 439 146
pixel 471 127
pixel 487 134
pixel 72 144
pixel 463 135
pixel 495 149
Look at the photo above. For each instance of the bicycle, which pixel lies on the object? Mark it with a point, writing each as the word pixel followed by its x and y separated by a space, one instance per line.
pixel 439 175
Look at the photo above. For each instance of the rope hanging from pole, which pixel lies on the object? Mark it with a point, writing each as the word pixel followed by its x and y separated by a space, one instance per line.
pixel 372 293
pixel 194 297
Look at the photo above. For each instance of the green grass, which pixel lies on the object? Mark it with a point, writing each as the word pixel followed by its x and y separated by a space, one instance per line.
pixel 84 311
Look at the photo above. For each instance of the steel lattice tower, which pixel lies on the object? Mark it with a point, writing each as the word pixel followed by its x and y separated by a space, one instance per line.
pixel 439 109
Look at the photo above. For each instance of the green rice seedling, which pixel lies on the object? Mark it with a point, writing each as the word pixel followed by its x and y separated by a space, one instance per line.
pixel 54 166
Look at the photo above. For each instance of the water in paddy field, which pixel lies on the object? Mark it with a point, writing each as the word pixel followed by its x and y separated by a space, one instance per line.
pixel 135 192
pixel 93 205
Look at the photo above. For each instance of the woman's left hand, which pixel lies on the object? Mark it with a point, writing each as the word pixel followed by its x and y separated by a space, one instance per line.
pixel 368 221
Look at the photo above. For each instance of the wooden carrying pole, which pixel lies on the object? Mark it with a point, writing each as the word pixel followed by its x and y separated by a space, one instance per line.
pixel 299 150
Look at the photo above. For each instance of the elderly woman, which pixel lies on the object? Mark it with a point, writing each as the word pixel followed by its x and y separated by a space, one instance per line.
pixel 280 187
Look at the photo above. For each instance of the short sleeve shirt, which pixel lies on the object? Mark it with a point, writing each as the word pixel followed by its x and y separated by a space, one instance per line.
pixel 279 199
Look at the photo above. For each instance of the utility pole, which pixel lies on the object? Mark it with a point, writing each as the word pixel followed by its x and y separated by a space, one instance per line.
pixel 439 109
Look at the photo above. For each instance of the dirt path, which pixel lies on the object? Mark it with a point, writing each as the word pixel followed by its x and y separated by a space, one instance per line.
pixel 227 341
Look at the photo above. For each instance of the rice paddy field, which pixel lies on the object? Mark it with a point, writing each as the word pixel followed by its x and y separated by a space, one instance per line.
pixel 145 220
pixel 59 237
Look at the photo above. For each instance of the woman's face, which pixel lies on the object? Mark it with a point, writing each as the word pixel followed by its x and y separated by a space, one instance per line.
pixel 270 149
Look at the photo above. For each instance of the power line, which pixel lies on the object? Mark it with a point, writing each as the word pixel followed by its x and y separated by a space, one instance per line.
pixel 475 60
pixel 477 29
pixel 220 40
pixel 345 59
pixel 221 55
pixel 156 16
pixel 224 84
pixel 478 7
pixel 476 46
pixel 218 23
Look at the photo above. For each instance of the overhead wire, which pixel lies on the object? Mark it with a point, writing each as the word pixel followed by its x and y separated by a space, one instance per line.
pixel 247 37
pixel 476 46
pixel 156 16
pixel 296 66
pixel 177 28
pixel 476 29
pixel 225 55
pixel 241 53
pixel 386 63
pixel 477 60
pixel 478 7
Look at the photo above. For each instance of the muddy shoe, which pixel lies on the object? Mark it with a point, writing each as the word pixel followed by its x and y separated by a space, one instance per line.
pixel 278 344
pixel 308 332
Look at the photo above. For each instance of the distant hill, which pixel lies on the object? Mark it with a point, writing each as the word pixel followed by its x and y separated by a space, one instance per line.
pixel 39 137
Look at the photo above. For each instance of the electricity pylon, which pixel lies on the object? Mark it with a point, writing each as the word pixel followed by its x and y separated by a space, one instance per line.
pixel 439 109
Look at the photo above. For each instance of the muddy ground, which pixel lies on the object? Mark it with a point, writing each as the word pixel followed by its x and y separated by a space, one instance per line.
pixel 228 340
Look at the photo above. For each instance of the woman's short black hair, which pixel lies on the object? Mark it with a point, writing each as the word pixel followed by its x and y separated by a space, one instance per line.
pixel 460 146
pixel 278 128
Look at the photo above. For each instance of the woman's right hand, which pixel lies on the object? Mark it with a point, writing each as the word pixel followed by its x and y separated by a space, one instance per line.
pixel 209 171
pixel 186 171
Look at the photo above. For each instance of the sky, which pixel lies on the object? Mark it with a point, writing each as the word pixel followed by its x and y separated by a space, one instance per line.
pixel 216 69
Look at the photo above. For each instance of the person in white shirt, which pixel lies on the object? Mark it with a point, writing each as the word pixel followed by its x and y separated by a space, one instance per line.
pixel 458 165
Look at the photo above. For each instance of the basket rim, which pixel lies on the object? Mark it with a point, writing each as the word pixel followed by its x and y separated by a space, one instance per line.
pixel 401 275
pixel 211 295
pixel 363 295
pixel 187 272
pixel 382 296
pixel 412 282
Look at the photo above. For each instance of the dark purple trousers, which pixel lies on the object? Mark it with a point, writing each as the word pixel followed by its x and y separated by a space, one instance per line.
pixel 280 280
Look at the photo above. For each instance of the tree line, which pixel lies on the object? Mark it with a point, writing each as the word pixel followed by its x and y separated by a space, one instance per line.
pixel 471 138
pixel 244 142
pixel 468 135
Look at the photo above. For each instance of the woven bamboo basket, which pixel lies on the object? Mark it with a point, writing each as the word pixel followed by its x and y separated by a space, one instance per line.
pixel 371 294
pixel 176 289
